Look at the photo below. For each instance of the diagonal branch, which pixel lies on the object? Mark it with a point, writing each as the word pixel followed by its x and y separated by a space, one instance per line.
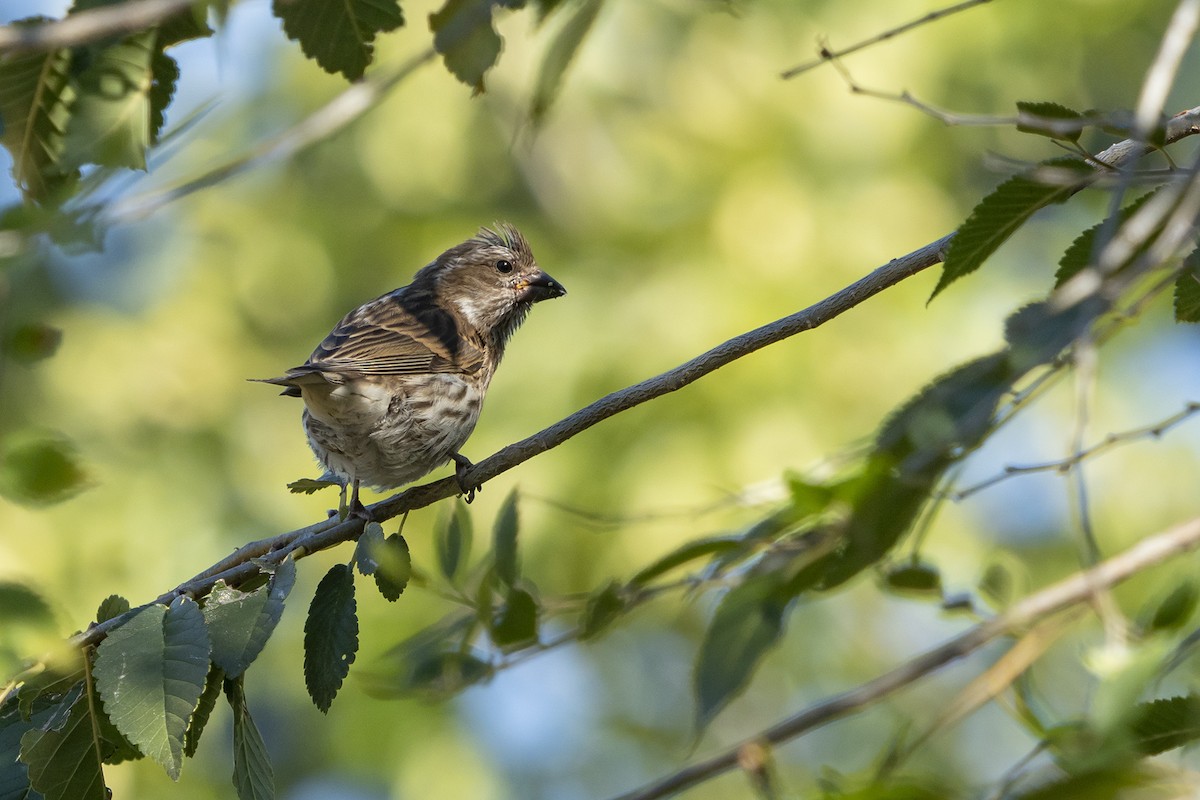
pixel 1058 597
pixel 322 535
pixel 89 26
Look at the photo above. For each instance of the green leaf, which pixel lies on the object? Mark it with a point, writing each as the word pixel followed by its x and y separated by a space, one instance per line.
pixel 110 119
pixel 915 578
pixel 20 605
pixel 516 624
pixel 35 106
pixel 338 35
pixel 111 607
pixel 1081 251
pixel 38 469
pixel 504 541
pixel 1187 290
pixel 14 774
pixel 367 548
pixel 330 636
pixel 603 608
pixel 395 567
pixel 1174 610
pixel 240 623
pixel 1164 724
pixel 453 540
pixel 252 773
pixel 435 662
pixel 560 54
pixel 999 215
pixel 310 485
pixel 691 551
pixel 65 761
pixel 33 342
pixel 464 35
pixel 747 623
pixel 150 673
pixel 1039 118
pixel 164 75
pixel 203 710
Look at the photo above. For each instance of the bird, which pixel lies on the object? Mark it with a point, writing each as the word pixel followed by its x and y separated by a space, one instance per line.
pixel 395 389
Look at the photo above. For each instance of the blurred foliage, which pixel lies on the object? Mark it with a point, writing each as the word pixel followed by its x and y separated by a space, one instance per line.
pixel 685 195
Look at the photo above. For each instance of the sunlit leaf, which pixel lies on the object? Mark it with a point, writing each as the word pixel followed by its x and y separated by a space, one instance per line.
pixel 111 607
pixel 253 776
pixel 310 485
pixel 330 636
pixel 35 100
pixel 367 547
pixel 395 567
pixel 463 33
pixel 999 215
pixel 338 36
pixel 1167 723
pixel 150 673
pixel 504 541
pixel 110 118
pixel 747 623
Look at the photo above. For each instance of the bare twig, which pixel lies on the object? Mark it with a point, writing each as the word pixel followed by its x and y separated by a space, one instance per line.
pixel 1060 596
pixel 89 26
pixel 826 54
pixel 325 534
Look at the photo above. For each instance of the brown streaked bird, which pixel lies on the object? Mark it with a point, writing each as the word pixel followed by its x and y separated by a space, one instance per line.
pixel 395 389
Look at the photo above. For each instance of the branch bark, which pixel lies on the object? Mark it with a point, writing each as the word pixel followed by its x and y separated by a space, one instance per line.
pixel 88 26
pixel 1078 588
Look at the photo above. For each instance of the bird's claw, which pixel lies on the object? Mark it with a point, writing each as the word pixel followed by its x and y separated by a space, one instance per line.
pixel 461 465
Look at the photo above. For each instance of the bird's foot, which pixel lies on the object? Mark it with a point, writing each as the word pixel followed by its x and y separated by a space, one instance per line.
pixel 461 465
pixel 356 508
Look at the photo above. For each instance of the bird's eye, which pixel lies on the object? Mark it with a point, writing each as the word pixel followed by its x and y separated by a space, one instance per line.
pixel 504 265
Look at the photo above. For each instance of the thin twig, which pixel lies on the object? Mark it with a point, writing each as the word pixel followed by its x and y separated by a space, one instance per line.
pixel 828 55
pixel 1153 431
pixel 89 26
pixel 1066 593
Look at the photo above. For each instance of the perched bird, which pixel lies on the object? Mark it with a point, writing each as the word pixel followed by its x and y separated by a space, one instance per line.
pixel 395 389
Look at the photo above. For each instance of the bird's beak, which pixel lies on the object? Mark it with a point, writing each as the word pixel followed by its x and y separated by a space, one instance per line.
pixel 540 286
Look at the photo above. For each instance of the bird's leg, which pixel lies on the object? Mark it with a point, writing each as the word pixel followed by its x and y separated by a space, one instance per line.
pixel 461 465
pixel 357 509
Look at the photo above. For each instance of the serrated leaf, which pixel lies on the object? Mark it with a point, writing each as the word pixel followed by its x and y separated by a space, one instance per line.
pixel 395 567
pixel 603 608
pixel 253 776
pixel 150 673
pixel 1080 252
pixel 35 100
pixel 110 118
pixel 453 540
pixel 339 36
pixel 1187 290
pixel 164 75
pixel 367 547
pixel 516 623
pixel 240 623
pixel 1039 118
pixel 111 607
pixel 204 708
pixel 464 35
pixel 330 636
pixel 1164 724
pixel 38 470
pixel 14 773
pixel 559 55
pixel 692 551
pixel 747 623
pixel 65 762
pixel 504 541
pixel 63 671
pixel 999 215
pixel 310 485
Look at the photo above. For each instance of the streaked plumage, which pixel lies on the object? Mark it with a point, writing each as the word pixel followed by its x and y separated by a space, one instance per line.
pixel 395 389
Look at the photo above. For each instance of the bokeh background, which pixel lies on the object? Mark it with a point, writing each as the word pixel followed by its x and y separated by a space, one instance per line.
pixel 683 193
